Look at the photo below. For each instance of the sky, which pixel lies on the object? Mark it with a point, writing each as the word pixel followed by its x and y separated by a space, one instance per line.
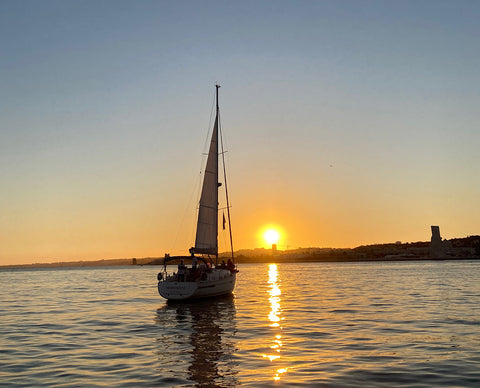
pixel 346 123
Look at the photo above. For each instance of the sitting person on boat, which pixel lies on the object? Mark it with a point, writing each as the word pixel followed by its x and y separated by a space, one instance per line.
pixel 182 270
pixel 231 266
pixel 223 265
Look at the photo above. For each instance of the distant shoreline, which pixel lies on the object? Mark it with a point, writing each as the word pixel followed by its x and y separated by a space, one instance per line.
pixel 240 260
pixel 467 248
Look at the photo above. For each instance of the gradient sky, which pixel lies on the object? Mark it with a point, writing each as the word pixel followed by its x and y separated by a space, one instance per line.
pixel 346 122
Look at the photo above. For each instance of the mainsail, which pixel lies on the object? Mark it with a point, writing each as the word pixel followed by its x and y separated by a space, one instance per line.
pixel 207 224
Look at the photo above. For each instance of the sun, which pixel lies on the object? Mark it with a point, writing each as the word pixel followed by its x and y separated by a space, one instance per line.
pixel 271 236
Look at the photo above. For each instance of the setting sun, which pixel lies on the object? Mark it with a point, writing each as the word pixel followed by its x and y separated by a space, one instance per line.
pixel 271 236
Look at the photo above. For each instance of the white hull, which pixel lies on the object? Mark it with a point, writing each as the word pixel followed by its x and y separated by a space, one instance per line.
pixel 218 282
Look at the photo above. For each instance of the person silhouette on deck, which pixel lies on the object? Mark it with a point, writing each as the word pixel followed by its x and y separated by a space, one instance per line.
pixel 181 271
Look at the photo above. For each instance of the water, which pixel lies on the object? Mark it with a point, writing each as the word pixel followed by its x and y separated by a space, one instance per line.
pixel 408 324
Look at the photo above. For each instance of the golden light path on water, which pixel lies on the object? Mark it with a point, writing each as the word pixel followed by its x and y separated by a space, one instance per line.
pixel 275 318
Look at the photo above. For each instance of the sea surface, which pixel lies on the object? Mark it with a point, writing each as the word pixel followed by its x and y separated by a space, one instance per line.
pixel 385 324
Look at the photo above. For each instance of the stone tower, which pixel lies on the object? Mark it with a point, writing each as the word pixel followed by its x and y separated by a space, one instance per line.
pixel 437 249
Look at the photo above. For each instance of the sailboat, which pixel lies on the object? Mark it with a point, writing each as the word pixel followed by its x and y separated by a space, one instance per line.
pixel 205 277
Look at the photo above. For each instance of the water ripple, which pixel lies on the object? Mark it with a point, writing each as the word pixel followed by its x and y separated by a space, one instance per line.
pixel 414 324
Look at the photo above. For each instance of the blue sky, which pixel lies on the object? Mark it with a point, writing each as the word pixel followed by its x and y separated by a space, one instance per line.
pixel 347 122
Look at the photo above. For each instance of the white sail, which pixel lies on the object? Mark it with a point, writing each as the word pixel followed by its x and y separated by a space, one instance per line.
pixel 207 224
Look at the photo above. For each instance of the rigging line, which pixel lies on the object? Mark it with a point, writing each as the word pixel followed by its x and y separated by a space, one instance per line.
pixel 225 162
pixel 207 139
pixel 225 241
pixel 225 179
pixel 187 207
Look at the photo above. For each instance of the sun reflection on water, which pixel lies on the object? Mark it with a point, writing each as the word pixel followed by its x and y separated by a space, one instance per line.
pixel 275 318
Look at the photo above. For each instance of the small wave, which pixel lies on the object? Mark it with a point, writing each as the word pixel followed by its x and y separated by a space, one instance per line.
pixel 343 311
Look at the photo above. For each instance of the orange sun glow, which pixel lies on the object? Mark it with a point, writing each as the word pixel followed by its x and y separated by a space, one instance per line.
pixel 271 236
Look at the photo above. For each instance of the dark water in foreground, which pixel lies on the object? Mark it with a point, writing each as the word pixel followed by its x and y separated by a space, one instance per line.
pixel 407 324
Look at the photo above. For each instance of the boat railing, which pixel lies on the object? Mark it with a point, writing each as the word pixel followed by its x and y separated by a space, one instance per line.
pixel 170 273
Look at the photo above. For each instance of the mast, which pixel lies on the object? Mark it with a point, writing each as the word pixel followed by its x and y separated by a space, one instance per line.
pixel 225 177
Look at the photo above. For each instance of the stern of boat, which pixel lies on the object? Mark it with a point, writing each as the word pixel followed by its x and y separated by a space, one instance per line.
pixel 176 290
